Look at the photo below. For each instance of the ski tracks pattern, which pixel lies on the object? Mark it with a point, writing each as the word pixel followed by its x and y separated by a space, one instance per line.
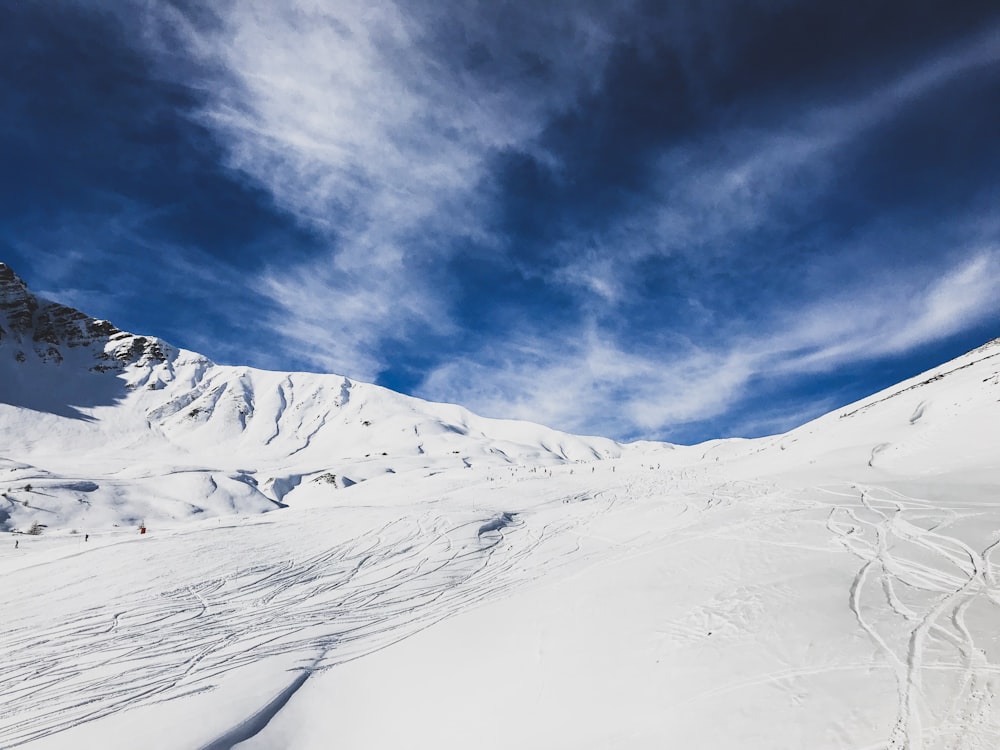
pixel 914 597
pixel 342 603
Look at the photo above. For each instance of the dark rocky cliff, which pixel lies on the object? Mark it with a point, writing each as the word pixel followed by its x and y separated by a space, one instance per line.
pixel 31 327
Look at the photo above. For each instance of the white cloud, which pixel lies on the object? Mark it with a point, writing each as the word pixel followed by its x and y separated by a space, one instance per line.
pixel 587 383
pixel 712 190
pixel 352 119
pixel 590 383
pixel 895 312
pixel 961 297
pixel 376 133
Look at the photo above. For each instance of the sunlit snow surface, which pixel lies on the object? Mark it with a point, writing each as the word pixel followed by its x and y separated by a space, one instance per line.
pixel 834 587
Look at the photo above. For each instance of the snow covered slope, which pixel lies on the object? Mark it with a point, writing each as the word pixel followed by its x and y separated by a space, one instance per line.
pixel 833 588
pixel 107 427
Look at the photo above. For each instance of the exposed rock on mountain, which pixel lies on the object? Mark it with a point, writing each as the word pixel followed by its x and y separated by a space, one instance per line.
pixel 835 586
pixel 29 325
pixel 162 432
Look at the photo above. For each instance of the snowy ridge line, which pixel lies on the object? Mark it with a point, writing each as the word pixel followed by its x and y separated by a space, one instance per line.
pixel 99 402
pixel 255 724
pixel 932 379
pixel 833 587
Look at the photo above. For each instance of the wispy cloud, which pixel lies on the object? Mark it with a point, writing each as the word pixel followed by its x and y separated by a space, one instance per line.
pixel 851 304
pixel 376 128
pixel 589 382
pixel 711 191
pixel 355 123
pixel 891 315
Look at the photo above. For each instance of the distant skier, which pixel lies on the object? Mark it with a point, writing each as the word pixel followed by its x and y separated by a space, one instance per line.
pixel 86 537
pixel 17 543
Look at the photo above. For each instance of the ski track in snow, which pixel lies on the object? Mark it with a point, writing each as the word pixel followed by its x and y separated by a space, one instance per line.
pixel 919 583
pixel 727 540
pixel 912 597
pixel 352 599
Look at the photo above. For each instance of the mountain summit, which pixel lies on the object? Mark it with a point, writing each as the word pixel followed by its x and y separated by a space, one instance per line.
pixel 116 427
pixel 108 427
pixel 34 328
pixel 835 586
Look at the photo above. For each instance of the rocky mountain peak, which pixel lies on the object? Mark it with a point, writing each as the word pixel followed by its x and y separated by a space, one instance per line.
pixel 17 304
pixel 31 327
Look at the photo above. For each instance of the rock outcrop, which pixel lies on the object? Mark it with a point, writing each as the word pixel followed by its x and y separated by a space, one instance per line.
pixel 31 327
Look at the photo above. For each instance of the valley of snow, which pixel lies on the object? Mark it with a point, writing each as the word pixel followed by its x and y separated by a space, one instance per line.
pixel 330 564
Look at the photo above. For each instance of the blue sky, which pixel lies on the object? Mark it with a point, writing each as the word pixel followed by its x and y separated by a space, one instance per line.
pixel 676 221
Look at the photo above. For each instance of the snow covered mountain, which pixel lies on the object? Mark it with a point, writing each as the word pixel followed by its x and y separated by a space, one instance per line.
pixel 438 580
pixel 107 427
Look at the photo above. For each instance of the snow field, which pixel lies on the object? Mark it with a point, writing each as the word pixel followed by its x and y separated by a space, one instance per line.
pixel 330 564
pixel 629 608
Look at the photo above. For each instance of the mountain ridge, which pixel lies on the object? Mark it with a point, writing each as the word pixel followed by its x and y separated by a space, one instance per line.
pixel 833 586
pixel 158 433
pixel 244 436
pixel 51 325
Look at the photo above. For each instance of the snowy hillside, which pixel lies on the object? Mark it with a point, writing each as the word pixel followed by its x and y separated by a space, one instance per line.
pixel 438 580
pixel 107 427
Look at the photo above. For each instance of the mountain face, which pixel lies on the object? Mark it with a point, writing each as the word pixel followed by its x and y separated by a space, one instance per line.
pixel 108 427
pixel 477 580
pixel 34 328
